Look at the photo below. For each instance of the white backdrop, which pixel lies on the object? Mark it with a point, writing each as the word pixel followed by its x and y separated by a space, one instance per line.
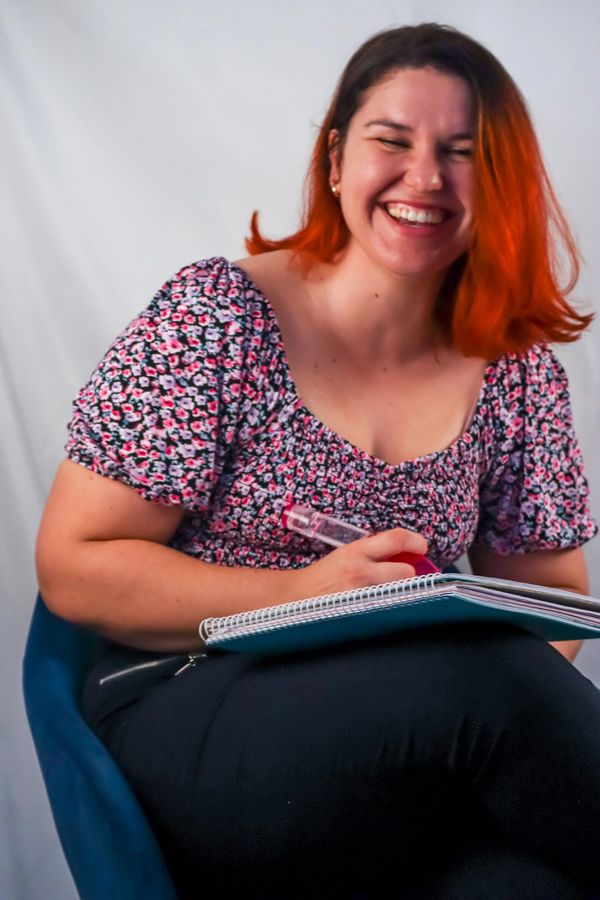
pixel 138 136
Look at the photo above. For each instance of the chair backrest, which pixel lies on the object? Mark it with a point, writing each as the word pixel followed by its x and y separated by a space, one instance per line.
pixel 107 841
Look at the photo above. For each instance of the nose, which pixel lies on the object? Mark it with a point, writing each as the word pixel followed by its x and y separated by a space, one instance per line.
pixel 423 173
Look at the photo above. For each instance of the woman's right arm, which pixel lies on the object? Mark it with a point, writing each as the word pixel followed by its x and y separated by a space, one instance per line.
pixel 103 562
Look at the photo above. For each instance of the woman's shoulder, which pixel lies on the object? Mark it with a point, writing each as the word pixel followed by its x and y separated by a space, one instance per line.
pixel 535 370
pixel 213 282
pixel 522 389
pixel 273 264
pixel 207 310
pixel 214 296
pixel 277 275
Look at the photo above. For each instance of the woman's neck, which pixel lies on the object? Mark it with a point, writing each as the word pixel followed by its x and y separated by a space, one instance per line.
pixel 390 317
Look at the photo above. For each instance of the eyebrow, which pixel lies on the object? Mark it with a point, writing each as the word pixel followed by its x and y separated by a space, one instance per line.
pixel 406 129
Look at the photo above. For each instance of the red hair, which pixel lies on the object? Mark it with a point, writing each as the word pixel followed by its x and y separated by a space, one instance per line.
pixel 504 294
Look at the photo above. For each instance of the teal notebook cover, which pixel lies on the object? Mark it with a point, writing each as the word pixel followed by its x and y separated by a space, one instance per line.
pixel 419 602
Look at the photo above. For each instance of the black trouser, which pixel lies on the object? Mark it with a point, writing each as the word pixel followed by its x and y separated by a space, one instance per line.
pixel 459 763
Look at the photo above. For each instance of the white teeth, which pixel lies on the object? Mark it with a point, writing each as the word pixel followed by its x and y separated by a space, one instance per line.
pixel 420 216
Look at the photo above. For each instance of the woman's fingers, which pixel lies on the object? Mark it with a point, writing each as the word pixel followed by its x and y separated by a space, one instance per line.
pixel 385 544
pixel 364 562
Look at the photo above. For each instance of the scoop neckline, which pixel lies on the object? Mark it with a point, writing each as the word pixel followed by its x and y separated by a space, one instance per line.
pixel 466 437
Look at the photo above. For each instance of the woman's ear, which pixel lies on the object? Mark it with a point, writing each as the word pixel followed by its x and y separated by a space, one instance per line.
pixel 335 157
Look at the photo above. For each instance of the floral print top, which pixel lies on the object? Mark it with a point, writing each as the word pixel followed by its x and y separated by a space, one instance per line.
pixel 194 405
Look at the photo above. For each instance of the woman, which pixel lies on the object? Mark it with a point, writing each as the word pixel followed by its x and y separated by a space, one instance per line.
pixel 388 364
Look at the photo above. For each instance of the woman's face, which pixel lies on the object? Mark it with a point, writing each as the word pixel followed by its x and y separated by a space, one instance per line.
pixel 405 172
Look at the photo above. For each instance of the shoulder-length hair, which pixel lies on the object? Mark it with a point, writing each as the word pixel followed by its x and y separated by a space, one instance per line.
pixel 504 294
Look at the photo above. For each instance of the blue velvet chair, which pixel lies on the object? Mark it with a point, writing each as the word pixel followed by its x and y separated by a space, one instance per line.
pixel 108 844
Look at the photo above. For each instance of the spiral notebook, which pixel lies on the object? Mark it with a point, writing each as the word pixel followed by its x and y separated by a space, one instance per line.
pixel 412 603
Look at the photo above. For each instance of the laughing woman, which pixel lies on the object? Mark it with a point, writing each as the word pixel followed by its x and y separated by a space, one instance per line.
pixel 389 363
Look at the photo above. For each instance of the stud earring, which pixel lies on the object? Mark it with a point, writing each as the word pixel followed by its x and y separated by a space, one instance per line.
pixel 335 190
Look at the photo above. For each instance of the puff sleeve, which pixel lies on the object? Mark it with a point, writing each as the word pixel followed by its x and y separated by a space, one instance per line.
pixel 534 494
pixel 161 409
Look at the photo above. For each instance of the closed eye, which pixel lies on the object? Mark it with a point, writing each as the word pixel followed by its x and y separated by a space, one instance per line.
pixel 390 142
pixel 466 152
pixel 462 151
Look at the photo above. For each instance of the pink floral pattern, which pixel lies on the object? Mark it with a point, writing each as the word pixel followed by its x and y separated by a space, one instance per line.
pixel 194 405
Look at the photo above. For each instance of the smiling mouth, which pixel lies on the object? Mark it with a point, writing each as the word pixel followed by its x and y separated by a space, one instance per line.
pixel 409 215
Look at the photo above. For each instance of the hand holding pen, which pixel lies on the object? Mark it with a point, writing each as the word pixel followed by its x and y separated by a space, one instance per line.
pixel 335 532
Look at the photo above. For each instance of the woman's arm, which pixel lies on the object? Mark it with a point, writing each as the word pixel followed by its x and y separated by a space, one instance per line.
pixel 103 562
pixel 564 569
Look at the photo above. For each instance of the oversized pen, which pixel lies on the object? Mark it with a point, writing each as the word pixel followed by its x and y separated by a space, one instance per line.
pixel 313 524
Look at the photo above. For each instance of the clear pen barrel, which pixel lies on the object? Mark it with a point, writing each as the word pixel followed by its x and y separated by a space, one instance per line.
pixel 328 529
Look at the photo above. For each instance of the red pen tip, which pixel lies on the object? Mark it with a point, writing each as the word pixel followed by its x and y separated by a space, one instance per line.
pixel 422 565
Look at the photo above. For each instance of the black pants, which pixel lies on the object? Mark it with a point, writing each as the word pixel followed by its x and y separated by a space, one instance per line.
pixel 459 763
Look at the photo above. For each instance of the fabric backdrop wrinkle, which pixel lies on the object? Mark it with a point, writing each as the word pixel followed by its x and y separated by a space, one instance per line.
pixel 139 136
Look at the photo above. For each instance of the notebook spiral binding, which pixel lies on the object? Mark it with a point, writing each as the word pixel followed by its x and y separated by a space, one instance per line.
pixel 269 616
